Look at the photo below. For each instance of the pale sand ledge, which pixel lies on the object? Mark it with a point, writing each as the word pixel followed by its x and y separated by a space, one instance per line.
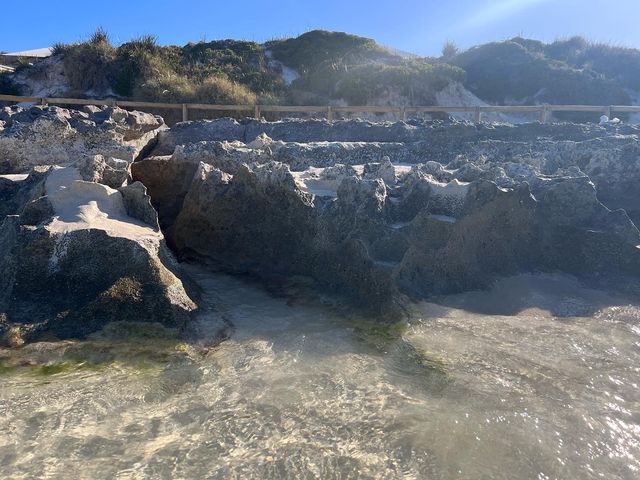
pixel 15 177
pixel 313 181
pixel 81 205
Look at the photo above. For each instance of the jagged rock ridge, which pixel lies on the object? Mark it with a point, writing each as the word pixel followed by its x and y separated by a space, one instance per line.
pixel 371 229
pixel 376 213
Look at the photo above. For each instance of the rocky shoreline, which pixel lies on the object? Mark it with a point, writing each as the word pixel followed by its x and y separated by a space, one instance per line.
pixel 98 204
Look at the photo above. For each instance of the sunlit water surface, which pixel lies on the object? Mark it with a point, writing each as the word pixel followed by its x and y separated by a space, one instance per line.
pixel 536 379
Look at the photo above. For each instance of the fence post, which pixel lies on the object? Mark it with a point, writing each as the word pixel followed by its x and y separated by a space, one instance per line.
pixel 543 114
pixel 256 111
pixel 403 113
pixel 478 115
pixel 185 112
pixel 43 101
pixel 329 114
pixel 607 111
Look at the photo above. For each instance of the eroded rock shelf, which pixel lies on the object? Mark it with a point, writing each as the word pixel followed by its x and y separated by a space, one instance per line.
pixel 98 205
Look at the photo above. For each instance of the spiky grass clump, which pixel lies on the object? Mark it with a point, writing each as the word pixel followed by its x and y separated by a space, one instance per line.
pixel 87 64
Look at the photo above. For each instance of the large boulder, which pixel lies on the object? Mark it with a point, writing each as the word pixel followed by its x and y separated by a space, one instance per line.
pixel 260 221
pixel 74 259
pixel 168 178
pixel 192 132
pixel 255 220
pixel 57 136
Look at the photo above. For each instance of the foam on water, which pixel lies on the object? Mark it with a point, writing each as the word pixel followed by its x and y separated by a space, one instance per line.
pixel 474 387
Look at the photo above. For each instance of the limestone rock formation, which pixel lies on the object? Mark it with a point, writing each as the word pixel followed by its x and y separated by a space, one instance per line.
pixel 442 137
pixel 377 229
pixel 609 155
pixel 74 259
pixel 373 212
pixel 57 136
pixel 192 132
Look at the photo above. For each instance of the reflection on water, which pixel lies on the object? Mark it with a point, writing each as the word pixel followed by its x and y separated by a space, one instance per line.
pixel 298 392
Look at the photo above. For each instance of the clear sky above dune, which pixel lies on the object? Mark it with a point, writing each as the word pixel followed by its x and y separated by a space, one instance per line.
pixel 419 26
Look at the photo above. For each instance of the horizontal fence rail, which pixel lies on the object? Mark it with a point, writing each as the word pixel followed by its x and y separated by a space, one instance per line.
pixel 542 110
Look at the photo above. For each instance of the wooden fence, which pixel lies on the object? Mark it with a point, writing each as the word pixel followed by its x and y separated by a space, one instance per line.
pixel 541 111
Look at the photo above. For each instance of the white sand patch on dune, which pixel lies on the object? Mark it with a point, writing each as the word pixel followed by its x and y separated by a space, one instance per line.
pixel 288 74
pixel 455 95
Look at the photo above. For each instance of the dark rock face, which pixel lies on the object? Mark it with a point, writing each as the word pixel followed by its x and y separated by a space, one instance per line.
pixel 73 258
pixel 138 204
pixel 167 183
pixel 16 191
pixel 221 218
pixel 101 279
pixel 379 230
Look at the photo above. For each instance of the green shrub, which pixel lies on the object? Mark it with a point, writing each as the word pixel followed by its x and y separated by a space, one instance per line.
pixel 417 80
pixel 99 37
pixel 136 61
pixel 502 72
pixel 449 50
pixel 58 48
pixel 87 65
pixel 616 63
pixel 224 91
pixel 7 87
pixel 182 89
pixel 319 46
pixel 224 71
pixel 242 62
pixel 166 88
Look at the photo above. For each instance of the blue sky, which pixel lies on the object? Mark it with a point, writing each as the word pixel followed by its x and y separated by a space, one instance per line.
pixel 412 25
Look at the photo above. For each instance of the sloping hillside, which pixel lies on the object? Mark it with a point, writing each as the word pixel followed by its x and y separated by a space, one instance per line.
pixel 564 72
pixel 321 67
pixel 356 70
pixel 317 67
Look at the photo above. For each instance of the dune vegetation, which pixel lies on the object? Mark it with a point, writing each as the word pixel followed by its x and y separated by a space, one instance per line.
pixel 336 67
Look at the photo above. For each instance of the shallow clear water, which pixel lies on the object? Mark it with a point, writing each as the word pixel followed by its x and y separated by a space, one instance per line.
pixel 501 384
